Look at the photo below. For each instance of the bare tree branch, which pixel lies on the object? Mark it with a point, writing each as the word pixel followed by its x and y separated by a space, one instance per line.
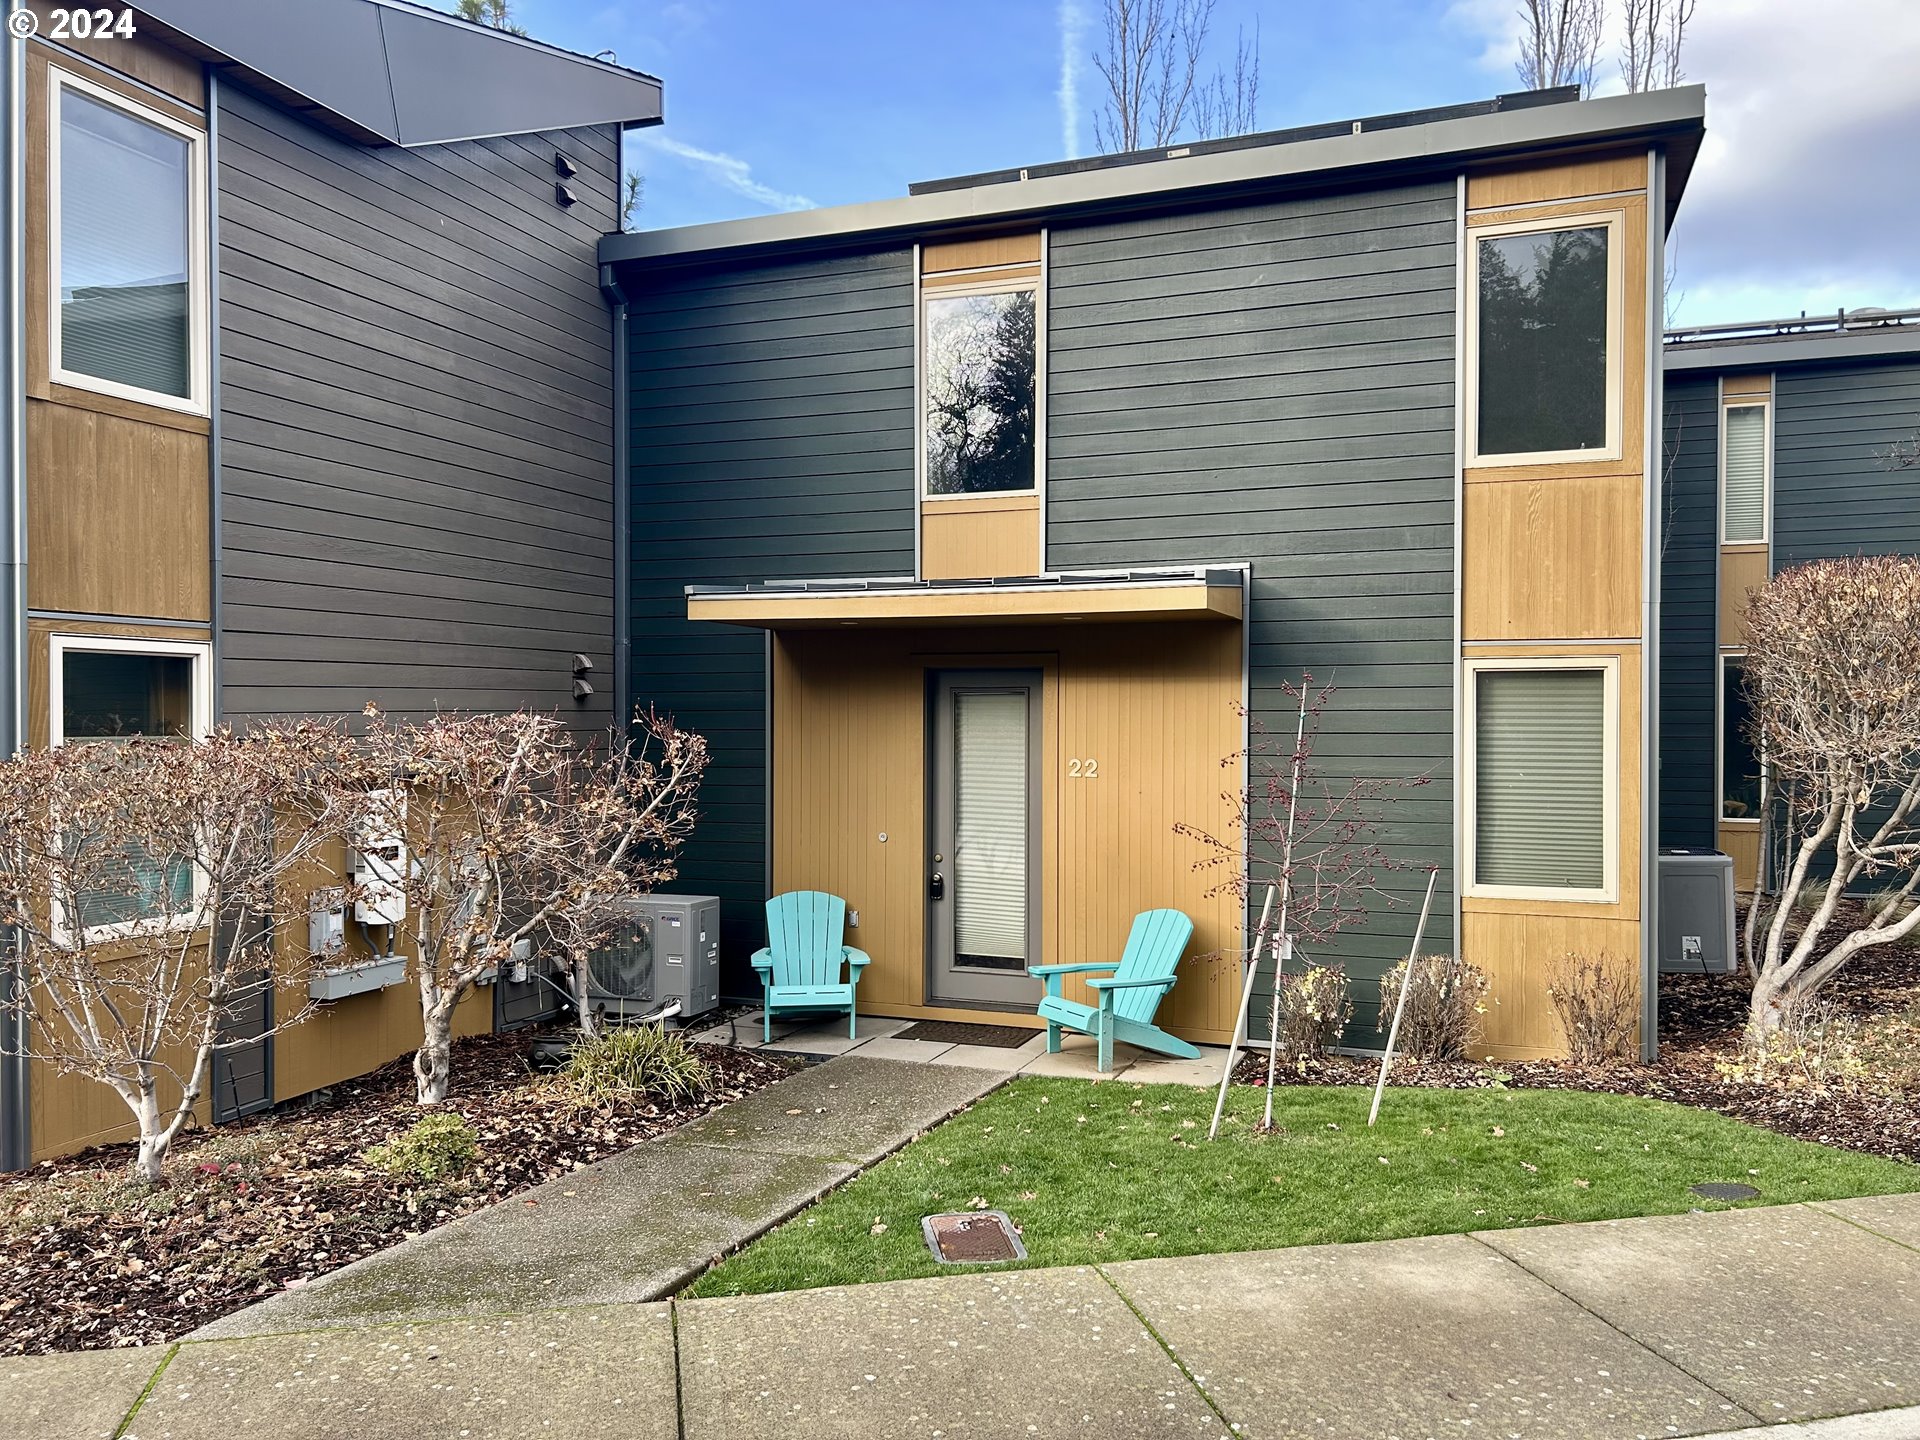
pixel 1151 60
pixel 1559 43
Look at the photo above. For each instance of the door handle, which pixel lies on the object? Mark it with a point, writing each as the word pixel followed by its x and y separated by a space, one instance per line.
pixel 937 887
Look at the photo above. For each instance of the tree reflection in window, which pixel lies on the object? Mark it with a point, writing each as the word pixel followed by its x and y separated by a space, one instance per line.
pixel 979 360
pixel 1542 384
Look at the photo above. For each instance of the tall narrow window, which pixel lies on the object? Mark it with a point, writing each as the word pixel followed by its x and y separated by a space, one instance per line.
pixel 990 730
pixel 127 248
pixel 1541 781
pixel 1739 759
pixel 980 355
pixel 1545 361
pixel 1743 469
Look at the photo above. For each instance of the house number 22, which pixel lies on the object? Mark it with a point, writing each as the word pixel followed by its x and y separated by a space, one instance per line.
pixel 1078 769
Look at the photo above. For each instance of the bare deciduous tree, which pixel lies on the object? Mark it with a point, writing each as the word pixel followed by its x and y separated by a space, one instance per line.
pixel 1559 43
pixel 1832 672
pixel 1156 91
pixel 1654 33
pixel 147 883
pixel 497 13
pixel 514 832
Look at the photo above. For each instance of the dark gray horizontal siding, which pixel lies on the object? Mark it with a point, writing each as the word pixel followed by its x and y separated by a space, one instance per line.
pixel 1689 610
pixel 416 416
pixel 772 438
pixel 1834 492
pixel 1273 383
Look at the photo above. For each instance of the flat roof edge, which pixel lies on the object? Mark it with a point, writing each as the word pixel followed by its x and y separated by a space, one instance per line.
pixel 1684 355
pixel 1477 137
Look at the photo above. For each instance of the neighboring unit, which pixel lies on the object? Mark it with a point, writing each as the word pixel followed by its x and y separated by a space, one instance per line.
pixel 975 528
pixel 316 410
pixel 1786 441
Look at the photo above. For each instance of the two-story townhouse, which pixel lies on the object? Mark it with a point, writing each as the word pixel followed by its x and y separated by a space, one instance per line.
pixel 1787 441
pixel 309 403
pixel 976 529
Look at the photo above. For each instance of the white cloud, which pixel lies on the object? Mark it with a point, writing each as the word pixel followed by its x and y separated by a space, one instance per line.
pixel 727 170
pixel 1073 41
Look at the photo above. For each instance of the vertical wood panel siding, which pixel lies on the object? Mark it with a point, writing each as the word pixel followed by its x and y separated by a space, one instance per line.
pixel 772 437
pixel 1274 383
pixel 1833 491
pixel 416 402
pixel 1689 609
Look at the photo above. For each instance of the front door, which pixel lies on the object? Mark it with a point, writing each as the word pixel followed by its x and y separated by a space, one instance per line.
pixel 983 846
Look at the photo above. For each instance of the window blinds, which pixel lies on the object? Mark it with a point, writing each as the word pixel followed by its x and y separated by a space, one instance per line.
pixel 990 824
pixel 1540 781
pixel 1745 466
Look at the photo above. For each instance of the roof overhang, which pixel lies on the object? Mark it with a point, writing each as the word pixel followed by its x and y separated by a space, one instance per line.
pixel 1881 343
pixel 1135 595
pixel 1671 119
pixel 388 72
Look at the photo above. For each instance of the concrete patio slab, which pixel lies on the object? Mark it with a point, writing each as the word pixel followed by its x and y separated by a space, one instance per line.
pixel 1895 1216
pixel 584 1373
pixel 1793 1313
pixel 851 1110
pixel 1080 1064
pixel 1163 1070
pixel 996 1057
pixel 831 1037
pixel 1410 1338
pixel 914 1052
pixel 632 1228
pixel 965 1357
pixel 74 1397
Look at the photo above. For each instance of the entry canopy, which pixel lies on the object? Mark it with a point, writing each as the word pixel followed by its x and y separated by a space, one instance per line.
pixel 1102 598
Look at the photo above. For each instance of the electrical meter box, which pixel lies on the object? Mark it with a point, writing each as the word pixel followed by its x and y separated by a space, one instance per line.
pixel 378 861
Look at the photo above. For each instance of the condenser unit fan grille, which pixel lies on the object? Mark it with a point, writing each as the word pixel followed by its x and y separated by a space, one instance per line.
pixel 624 970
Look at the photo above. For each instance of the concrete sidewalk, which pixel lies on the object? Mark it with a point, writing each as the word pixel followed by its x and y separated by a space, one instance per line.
pixel 1705 1324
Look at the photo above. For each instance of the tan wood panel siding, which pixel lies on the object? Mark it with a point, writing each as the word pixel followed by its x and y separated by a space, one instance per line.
pixel 1552 558
pixel 143 58
pixel 1517 953
pixel 1742 842
pixel 977 254
pixel 1155 704
pixel 1604 176
pixel 1001 274
pixel 1760 384
pixel 1743 569
pixel 116 516
pixel 976 540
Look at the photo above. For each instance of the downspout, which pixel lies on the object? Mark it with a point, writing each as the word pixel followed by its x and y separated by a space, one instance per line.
pixel 1653 461
pixel 616 299
pixel 215 510
pixel 16 1132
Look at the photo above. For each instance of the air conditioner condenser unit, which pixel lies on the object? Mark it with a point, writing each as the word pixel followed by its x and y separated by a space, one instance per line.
pixel 1696 912
pixel 667 950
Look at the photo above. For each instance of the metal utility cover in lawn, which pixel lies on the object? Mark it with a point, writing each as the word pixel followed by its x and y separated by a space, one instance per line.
pixel 1725 1190
pixel 972 1237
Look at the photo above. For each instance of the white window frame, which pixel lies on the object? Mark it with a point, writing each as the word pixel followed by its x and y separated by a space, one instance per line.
pixel 198 318
pixel 1720 815
pixel 200 711
pixel 1609 667
pixel 987 284
pixel 1614 222
pixel 1741 402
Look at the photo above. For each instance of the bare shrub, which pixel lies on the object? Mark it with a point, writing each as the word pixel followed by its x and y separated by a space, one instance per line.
pixel 1890 1051
pixel 1444 1005
pixel 1816 1047
pixel 1314 1008
pixel 1597 1000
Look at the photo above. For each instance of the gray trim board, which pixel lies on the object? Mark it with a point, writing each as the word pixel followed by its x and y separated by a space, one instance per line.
pixel 1747 354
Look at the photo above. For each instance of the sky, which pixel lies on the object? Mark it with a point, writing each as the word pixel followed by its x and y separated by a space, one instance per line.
pixel 1803 199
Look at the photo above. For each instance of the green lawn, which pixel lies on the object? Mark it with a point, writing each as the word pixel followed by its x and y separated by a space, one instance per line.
pixel 1119 1172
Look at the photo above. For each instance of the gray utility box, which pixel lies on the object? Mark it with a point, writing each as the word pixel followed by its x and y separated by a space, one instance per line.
pixel 1696 912
pixel 669 949
pixel 377 974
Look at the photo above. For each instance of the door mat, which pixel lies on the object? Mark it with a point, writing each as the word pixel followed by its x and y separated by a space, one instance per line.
pixel 956 1032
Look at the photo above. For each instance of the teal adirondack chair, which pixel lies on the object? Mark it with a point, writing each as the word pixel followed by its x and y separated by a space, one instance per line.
pixel 802 965
pixel 1129 999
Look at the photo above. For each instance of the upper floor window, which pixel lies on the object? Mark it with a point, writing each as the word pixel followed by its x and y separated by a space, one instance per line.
pixel 1544 332
pixel 127 245
pixel 1744 471
pixel 980 348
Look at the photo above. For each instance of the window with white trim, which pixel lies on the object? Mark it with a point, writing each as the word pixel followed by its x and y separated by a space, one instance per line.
pixel 127 247
pixel 105 690
pixel 979 390
pixel 1541 782
pixel 1746 471
pixel 1543 335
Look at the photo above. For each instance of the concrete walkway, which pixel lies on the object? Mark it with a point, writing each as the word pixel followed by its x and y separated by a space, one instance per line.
pixel 1705 1324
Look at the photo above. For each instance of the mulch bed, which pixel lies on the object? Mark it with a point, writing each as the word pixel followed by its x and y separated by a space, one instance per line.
pixel 1701 1021
pixel 89 1261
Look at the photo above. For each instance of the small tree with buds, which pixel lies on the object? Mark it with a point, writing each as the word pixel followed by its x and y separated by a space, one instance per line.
pixel 147 883
pixel 513 832
pixel 1832 672
pixel 1313 838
